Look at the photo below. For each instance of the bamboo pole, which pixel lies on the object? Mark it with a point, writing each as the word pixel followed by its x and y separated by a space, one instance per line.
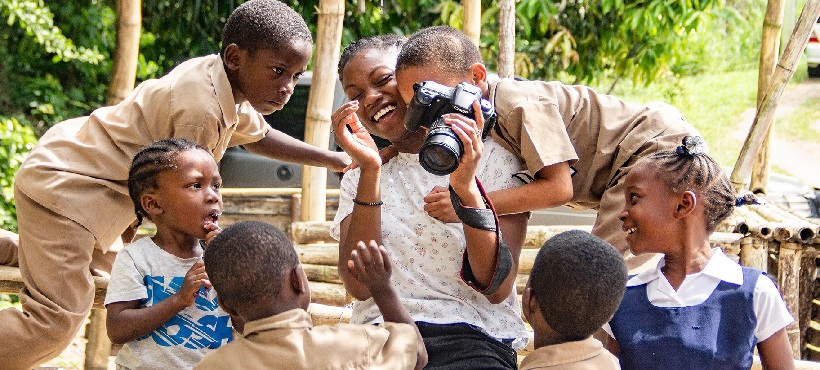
pixel 98 347
pixel 126 50
pixel 807 280
pixel 471 19
pixel 788 279
pixel 309 232
pixel 322 314
pixel 769 50
pixel 320 102
pixel 765 112
pixel 754 253
pixel 506 38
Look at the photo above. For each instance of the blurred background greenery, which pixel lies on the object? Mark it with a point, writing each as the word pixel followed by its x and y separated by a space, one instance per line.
pixel 701 56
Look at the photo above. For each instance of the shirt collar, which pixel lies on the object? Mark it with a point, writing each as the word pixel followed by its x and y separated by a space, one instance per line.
pixel 719 266
pixel 224 92
pixel 564 353
pixel 292 319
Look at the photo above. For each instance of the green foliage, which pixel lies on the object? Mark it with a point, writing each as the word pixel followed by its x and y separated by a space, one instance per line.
pixel 44 77
pixel 38 22
pixel 17 140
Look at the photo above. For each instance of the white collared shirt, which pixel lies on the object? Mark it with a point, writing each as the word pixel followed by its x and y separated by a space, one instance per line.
pixel 427 253
pixel 772 313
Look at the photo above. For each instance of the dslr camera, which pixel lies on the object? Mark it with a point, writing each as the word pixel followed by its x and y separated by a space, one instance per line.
pixel 442 149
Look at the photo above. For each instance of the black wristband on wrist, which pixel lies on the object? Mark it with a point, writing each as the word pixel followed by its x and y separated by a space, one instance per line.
pixel 369 204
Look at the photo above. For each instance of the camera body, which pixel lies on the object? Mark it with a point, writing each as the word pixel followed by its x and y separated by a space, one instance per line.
pixel 442 149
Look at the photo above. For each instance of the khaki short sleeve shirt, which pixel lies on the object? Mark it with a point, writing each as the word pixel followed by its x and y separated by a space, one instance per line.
pixel 545 123
pixel 79 167
pixel 290 341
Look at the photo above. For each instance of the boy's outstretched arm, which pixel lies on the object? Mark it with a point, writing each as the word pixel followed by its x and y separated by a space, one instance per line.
pixel 552 187
pixel 370 265
pixel 281 146
pixel 127 322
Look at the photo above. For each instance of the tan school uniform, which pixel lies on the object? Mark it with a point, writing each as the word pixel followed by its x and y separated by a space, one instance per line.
pixel 290 341
pixel 72 197
pixel 600 136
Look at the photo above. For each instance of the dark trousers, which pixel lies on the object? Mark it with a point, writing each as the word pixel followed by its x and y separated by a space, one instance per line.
pixel 461 346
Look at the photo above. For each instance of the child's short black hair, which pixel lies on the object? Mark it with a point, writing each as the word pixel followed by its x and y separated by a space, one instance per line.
pixel 442 47
pixel 248 262
pixel 381 42
pixel 689 168
pixel 149 162
pixel 578 281
pixel 263 24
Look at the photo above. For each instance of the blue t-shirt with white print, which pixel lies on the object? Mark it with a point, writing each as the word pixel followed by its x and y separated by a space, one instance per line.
pixel 143 271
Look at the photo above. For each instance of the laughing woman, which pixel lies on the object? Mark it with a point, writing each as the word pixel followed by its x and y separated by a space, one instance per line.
pixel 456 279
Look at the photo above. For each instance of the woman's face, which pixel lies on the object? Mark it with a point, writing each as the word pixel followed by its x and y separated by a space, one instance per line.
pixel 369 77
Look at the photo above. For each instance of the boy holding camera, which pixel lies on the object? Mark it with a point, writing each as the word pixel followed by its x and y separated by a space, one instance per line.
pixel 577 144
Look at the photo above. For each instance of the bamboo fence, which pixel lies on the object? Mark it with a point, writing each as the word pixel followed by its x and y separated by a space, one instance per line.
pixel 785 245
pixel 766 237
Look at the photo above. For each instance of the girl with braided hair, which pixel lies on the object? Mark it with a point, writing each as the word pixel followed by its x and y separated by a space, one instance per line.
pixel 697 309
pixel 159 301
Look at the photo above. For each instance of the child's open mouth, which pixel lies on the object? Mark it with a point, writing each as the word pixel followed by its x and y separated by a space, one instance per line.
pixel 213 216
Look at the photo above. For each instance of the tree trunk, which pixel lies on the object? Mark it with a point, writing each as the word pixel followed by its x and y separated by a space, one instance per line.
pixel 769 50
pixel 126 51
pixel 765 111
pixel 320 103
pixel 506 38
pixel 471 19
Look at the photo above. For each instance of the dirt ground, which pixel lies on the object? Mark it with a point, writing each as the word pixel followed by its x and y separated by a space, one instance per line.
pixel 784 154
pixel 800 159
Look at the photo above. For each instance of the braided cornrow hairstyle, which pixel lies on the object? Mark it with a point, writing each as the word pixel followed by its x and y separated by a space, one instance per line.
pixel 149 162
pixel 689 168
pixel 384 43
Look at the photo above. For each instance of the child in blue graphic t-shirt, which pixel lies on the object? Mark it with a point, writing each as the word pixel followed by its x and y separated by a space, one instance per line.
pixel 159 301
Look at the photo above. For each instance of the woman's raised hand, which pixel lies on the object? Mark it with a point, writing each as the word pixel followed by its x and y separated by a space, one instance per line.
pixel 357 142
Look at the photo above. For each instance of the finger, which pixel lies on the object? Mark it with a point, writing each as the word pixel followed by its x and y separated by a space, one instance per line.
pixel 351 266
pixel 479 116
pixel 388 266
pixel 376 256
pixel 354 264
pixel 439 189
pixel 364 254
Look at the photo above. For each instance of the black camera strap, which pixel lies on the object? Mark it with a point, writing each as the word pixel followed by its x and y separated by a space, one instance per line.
pixel 483 219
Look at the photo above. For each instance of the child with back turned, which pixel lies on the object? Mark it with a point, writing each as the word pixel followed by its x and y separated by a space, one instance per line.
pixel 575 286
pixel 70 192
pixel 258 277
pixel 697 309
pixel 158 300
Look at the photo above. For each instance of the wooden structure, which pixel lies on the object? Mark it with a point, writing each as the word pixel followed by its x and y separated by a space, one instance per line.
pixel 786 246
pixel 768 104
pixel 320 103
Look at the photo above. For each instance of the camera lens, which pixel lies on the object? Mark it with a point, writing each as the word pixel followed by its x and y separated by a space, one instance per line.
pixel 441 150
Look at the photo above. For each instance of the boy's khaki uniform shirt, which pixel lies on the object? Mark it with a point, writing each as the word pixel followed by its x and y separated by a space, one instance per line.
pixel 79 168
pixel 548 122
pixel 290 341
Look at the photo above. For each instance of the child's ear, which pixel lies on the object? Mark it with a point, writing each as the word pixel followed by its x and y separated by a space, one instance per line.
pixel 232 57
pixel 478 73
pixel 150 205
pixel 528 304
pixel 298 280
pixel 686 204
